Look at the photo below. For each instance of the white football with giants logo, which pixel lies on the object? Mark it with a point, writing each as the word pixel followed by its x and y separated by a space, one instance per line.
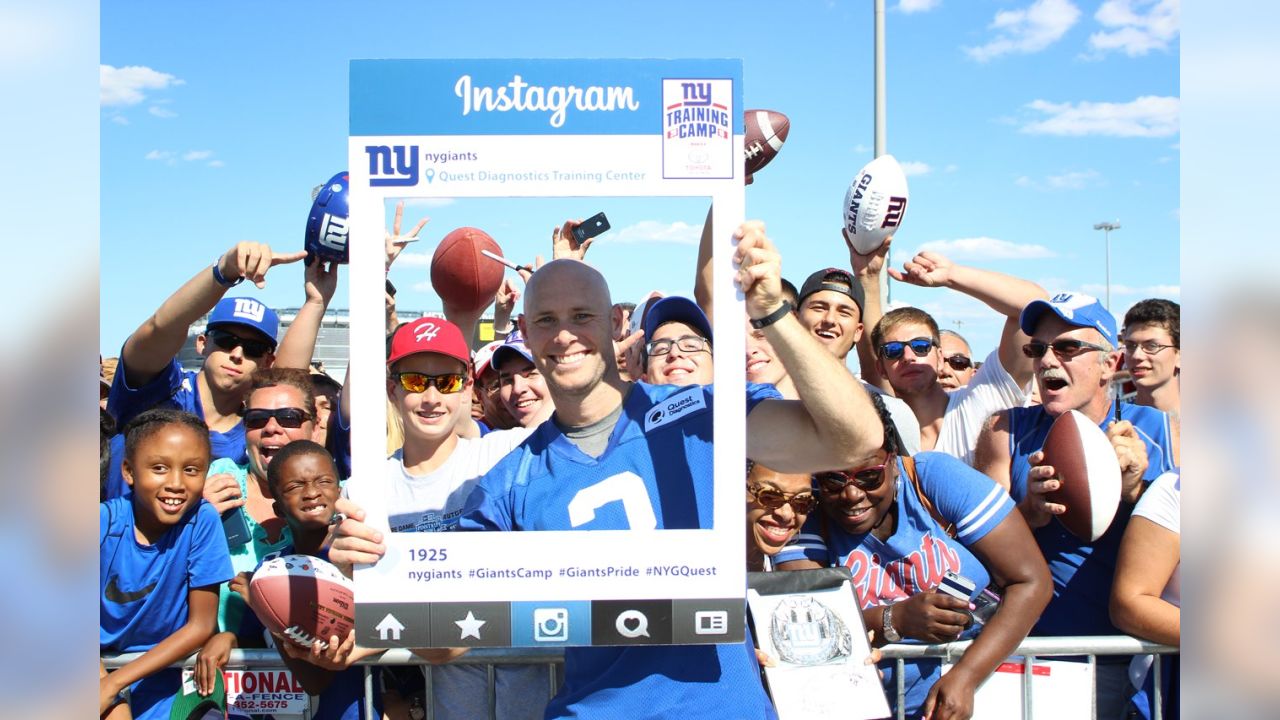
pixel 875 203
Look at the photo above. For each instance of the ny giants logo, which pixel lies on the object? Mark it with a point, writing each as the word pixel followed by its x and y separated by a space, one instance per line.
pixel 697 115
pixel 893 215
pixel 400 172
pixel 919 571
pixel 249 309
pixel 333 232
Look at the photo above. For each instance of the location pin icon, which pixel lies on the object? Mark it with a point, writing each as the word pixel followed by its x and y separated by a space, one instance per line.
pixel 429 174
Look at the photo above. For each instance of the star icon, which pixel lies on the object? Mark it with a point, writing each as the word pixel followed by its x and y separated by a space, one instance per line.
pixel 470 626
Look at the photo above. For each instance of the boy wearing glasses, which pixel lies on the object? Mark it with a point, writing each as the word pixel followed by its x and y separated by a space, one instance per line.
pixel 677 344
pixel 239 339
pixel 1073 347
pixel 1153 353
pixel 426 486
pixel 906 346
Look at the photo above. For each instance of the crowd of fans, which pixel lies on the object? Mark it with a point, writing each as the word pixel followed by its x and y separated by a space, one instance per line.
pixel 927 465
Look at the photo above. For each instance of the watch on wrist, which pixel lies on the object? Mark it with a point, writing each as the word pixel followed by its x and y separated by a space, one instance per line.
pixel 773 317
pixel 890 634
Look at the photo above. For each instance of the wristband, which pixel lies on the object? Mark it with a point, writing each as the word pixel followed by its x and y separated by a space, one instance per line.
pixel 505 331
pixel 772 317
pixel 218 278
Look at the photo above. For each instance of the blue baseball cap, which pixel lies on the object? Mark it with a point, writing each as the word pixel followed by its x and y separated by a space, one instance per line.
pixel 675 308
pixel 245 312
pixel 513 346
pixel 1075 309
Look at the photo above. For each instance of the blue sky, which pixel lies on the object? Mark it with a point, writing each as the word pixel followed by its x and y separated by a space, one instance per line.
pixel 1021 124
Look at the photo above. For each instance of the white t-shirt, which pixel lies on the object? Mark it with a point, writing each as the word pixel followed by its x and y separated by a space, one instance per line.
pixel 433 502
pixel 1161 504
pixel 991 390
pixel 903 418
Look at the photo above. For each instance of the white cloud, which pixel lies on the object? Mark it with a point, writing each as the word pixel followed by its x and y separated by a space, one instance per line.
pixel 161 112
pixel 1072 180
pixel 951 168
pixel 986 248
pixel 915 167
pixel 197 155
pixel 125 86
pixel 164 156
pixel 1147 116
pixel 915 6
pixel 1028 30
pixel 861 149
pixel 216 163
pixel 119 119
pixel 652 231
pixel 1132 31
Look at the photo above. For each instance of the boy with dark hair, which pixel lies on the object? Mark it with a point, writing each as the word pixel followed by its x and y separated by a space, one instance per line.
pixel 303 483
pixel 162 557
pixel 1153 353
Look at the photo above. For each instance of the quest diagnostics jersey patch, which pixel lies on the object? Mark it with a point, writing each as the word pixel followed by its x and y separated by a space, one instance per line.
pixel 681 405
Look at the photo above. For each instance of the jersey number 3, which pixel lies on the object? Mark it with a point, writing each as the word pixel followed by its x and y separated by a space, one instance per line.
pixel 627 487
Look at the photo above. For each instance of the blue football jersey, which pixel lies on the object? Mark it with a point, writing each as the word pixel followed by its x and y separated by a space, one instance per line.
pixel 1082 572
pixel 655 472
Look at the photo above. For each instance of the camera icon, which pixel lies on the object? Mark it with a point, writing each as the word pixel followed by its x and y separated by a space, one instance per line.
pixel 551 625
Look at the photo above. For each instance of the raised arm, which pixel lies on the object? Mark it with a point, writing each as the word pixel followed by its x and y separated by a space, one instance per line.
pixel 157 341
pixel 834 424
pixel 1005 294
pixel 866 270
pixel 703 276
pixel 320 281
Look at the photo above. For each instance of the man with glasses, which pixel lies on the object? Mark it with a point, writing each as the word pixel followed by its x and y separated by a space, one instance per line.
pixel 1073 347
pixel 1153 353
pixel 907 359
pixel 677 344
pixel 240 338
pixel 957 360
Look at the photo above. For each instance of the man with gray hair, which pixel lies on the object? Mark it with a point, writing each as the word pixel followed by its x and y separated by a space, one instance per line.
pixel 1074 349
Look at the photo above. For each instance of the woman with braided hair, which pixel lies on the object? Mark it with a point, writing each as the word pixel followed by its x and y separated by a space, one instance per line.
pixel 904 524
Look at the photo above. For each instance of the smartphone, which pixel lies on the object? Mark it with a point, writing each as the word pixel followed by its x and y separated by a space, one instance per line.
pixel 986 605
pixel 957 586
pixel 236 527
pixel 391 289
pixel 591 227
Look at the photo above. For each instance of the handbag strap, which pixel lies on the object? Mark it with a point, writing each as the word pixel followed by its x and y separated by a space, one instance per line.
pixel 909 464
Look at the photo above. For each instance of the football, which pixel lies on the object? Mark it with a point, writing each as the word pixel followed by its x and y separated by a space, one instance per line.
pixel 306 599
pixel 766 130
pixel 461 275
pixel 875 204
pixel 1090 474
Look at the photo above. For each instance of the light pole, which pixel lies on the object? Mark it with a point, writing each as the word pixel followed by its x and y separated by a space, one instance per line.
pixel 1106 228
pixel 881 131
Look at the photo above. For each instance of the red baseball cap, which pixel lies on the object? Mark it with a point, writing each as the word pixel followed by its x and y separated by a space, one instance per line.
pixel 429 335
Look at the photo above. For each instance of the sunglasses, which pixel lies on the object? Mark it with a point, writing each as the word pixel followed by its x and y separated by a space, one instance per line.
pixel 895 349
pixel 958 362
pixel 1150 347
pixel 227 342
pixel 257 418
pixel 833 482
pixel 416 382
pixel 1062 348
pixel 772 499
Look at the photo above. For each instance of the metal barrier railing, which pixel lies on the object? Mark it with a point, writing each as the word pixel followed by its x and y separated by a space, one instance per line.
pixel 1090 646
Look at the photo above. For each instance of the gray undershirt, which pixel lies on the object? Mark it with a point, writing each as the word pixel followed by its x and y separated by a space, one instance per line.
pixel 594 438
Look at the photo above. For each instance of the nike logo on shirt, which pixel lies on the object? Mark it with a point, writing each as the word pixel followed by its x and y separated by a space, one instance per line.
pixel 116 595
